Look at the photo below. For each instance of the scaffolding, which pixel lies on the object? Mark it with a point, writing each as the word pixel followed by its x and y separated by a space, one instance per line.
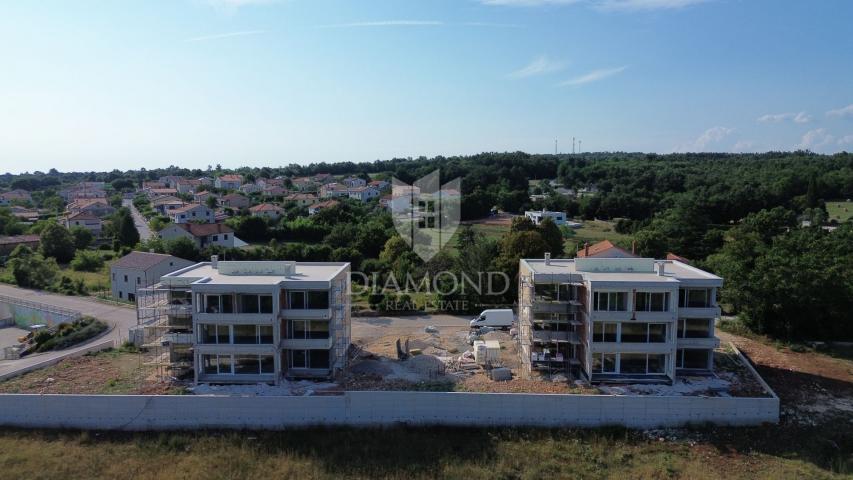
pixel 340 327
pixel 549 333
pixel 164 321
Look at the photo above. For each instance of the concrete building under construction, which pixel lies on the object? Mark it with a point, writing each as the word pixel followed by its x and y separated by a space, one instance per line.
pixel 608 319
pixel 248 322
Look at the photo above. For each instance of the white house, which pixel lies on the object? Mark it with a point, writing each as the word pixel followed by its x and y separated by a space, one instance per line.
pixel 192 212
pixel 229 182
pixel 95 206
pixel 251 322
pixel 141 269
pixel 317 207
pixel 363 194
pixel 235 200
pixel 202 234
pixel 536 216
pixel 84 220
pixel 166 203
pixel 354 182
pixel 617 319
pixel 266 210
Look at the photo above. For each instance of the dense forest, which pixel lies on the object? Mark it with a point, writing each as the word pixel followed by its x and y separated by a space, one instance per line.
pixel 739 215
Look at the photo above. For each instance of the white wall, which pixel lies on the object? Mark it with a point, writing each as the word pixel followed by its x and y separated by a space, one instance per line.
pixel 149 412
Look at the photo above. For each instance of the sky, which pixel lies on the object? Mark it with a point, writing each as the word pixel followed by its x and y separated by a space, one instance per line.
pixel 99 85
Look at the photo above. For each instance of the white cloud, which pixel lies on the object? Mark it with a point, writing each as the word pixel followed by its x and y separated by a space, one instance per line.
pixel 539 66
pixel 593 76
pixel 712 136
pixel 801 117
pixel 387 23
pixel 205 38
pixel 743 146
pixel 637 5
pixel 846 140
pixel 527 3
pixel 815 139
pixel 842 112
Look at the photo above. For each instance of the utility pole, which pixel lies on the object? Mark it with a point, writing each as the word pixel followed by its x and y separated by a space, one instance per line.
pixel 555 146
pixel 579 146
pixel 573 145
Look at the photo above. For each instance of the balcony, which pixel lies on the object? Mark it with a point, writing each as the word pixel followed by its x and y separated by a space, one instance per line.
pixel 547 336
pixel 307 343
pixel 235 318
pixel 308 314
pixel 554 306
pixel 177 339
pixel 699 312
pixel 702 342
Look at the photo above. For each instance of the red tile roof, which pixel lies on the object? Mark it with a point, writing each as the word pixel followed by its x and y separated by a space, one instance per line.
pixel 204 229
pixel 265 207
pixel 600 249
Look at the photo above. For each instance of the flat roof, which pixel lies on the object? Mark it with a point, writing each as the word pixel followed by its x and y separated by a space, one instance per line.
pixel 674 271
pixel 303 272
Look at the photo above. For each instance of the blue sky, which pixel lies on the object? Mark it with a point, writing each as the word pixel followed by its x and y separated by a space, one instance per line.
pixel 97 85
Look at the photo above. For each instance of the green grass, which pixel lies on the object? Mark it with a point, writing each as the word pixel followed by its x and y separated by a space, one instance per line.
pixel 840 211
pixel 595 231
pixel 411 453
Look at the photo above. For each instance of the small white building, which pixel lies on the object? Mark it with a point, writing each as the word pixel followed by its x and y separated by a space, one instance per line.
pixel 193 212
pixel 266 210
pixel 229 182
pixel 139 270
pixel 363 194
pixel 202 234
pixel 536 216
pixel 84 220
pixel 354 182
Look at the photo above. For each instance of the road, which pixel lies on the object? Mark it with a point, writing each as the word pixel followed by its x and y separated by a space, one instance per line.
pixel 120 318
pixel 138 220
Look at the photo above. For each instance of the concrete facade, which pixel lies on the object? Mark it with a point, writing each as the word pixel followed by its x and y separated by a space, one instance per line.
pixel 617 319
pixel 126 277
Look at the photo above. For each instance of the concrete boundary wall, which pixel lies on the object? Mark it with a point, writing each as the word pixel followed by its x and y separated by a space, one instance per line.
pixel 54 357
pixel 156 412
pixel 26 312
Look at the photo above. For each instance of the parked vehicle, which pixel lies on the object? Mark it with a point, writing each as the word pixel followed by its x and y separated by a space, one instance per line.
pixel 496 318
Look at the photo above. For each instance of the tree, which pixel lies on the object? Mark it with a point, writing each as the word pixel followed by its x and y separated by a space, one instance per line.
pixel 552 236
pixel 182 247
pixel 82 237
pixel 125 228
pixel 30 269
pixel 57 242
pixel 394 248
pixel 87 261
pixel 212 202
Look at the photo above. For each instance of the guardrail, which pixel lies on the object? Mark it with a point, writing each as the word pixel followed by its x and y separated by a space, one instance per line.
pixel 45 307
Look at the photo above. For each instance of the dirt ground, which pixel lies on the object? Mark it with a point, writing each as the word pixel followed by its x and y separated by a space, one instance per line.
pixel 500 219
pixel 812 386
pixel 109 372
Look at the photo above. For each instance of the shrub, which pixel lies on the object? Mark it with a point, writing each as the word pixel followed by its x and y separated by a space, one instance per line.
pixel 86 261
pixel 78 332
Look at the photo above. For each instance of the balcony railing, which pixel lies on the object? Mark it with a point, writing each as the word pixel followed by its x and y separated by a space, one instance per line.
pixel 547 336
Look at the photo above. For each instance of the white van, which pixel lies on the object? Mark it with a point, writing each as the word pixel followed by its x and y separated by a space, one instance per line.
pixel 495 318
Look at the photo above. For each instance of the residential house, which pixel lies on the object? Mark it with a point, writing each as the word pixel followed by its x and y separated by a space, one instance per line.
pixel 202 234
pixel 354 182
pixel 83 191
pixel 536 216
pixel 187 185
pixel 322 178
pixel 138 270
pixel 166 204
pixel 362 194
pixel 270 182
pixel 201 197
pixel 229 182
pixel 274 192
pixel 84 220
pixel 235 201
pixel 96 206
pixel 249 188
pixel 8 243
pixel 617 319
pixel 603 249
pixel 266 210
pixel 251 322
pixel 380 185
pixel 302 199
pixel 317 207
pixel 24 214
pixel 334 190
pixel 15 196
pixel 304 184
pixel 161 192
pixel 192 213
pixel 170 181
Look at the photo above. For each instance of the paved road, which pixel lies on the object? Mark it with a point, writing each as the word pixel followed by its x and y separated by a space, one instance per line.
pixel 138 220
pixel 120 318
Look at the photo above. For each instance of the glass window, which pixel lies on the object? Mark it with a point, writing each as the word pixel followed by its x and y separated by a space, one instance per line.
pixel 248 303
pixel 266 303
pixel 545 292
pixel 695 358
pixel 610 301
pixel 657 363
pixel 225 365
pixel 609 362
pixel 296 300
pixel 210 364
pixel 298 329
pixel 697 328
pixel 265 334
pixel 680 332
pixel 632 363
pixel 657 333
pixel 318 329
pixel 652 302
pixel 634 332
pixel 267 364
pixel 318 299
pixel 298 359
pixel 246 365
pixel 245 334
pixel 227 304
pixel 698 298
pixel 318 358
pixel 223 335
pixel 566 292
pixel 596 363
pixel 604 332
pixel 207 333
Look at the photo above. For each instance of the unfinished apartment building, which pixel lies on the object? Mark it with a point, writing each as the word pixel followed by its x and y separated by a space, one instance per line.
pixel 248 322
pixel 617 319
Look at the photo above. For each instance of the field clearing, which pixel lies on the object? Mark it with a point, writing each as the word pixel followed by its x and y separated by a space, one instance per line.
pixel 840 211
pixel 595 231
